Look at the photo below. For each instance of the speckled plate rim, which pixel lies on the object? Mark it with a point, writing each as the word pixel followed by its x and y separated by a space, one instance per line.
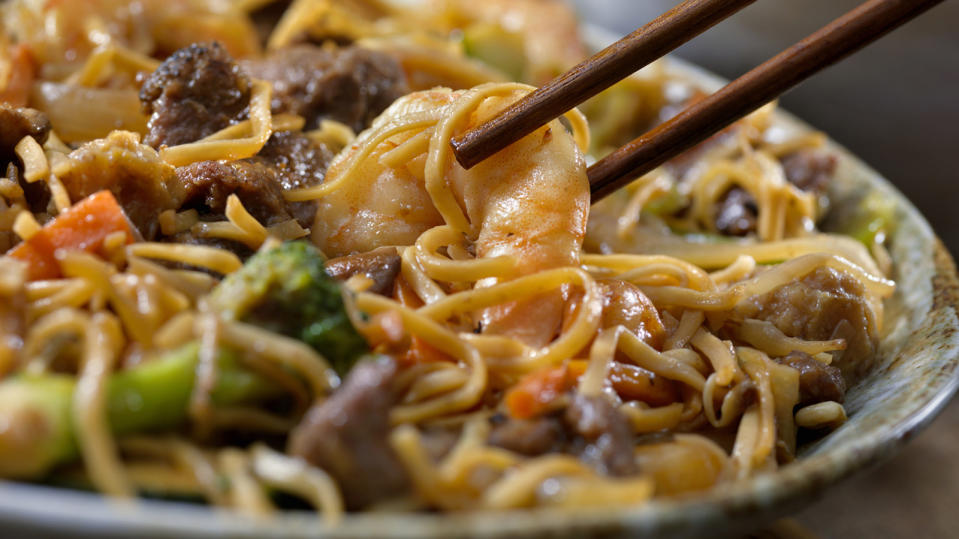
pixel 925 339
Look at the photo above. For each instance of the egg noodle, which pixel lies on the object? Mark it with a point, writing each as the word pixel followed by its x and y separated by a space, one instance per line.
pixel 734 408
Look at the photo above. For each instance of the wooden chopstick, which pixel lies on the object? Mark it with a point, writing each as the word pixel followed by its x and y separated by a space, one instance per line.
pixel 838 39
pixel 592 76
pixel 699 121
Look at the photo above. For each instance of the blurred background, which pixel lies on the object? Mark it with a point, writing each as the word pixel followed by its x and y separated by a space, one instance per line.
pixel 896 105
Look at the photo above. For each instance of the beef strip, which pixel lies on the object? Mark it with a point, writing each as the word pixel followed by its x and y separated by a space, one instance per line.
pixel 289 160
pixel 348 436
pixel 824 304
pixel 206 185
pixel 16 123
pixel 605 434
pixel 195 92
pixel 143 184
pixel 737 213
pixel 351 85
pixel 589 427
pixel 380 265
pixel 530 437
pixel 818 382
pixel 299 162
pixel 808 169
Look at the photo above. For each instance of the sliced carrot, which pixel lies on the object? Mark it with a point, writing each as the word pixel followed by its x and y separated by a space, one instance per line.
pixel 534 394
pixel 423 352
pixel 16 89
pixel 82 227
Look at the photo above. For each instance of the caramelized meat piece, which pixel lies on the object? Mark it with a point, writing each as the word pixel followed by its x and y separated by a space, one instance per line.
pixel 142 183
pixel 825 304
pixel 589 427
pixel 16 123
pixel 289 160
pixel 299 162
pixel 818 382
pixel 737 213
pixel 607 434
pixel 380 265
pixel 809 169
pixel 207 184
pixel 195 92
pixel 348 436
pixel 351 85
pixel 530 437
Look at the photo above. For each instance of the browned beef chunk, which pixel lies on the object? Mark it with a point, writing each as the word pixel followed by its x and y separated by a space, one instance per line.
pixel 289 160
pixel 195 92
pixel 818 382
pixel 351 85
pixel 207 184
pixel 347 436
pixel 809 169
pixel 380 265
pixel 16 123
pixel 589 427
pixel 737 213
pixel 530 437
pixel 143 184
pixel 299 162
pixel 607 434
pixel 825 304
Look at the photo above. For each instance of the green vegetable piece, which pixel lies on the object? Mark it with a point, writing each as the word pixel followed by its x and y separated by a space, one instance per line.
pixel 667 204
pixel 872 219
pixel 287 290
pixel 36 410
pixel 497 47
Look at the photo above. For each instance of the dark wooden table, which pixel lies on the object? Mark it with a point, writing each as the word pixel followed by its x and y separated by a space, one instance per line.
pixel 896 105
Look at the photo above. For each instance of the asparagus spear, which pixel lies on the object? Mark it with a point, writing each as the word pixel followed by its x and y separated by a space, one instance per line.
pixel 36 428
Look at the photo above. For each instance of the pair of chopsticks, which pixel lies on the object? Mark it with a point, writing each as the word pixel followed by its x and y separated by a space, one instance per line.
pixel 699 121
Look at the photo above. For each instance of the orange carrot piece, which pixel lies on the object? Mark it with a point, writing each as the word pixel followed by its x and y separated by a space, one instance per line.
pixel 423 352
pixel 16 89
pixel 534 394
pixel 82 227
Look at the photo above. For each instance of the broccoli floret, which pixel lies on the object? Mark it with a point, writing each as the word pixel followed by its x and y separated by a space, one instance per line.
pixel 287 290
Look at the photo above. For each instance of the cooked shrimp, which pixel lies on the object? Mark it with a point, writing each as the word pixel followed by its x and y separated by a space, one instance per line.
pixel 381 204
pixel 529 202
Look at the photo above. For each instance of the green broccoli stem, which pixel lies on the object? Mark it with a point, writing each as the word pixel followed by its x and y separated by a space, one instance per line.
pixel 36 410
